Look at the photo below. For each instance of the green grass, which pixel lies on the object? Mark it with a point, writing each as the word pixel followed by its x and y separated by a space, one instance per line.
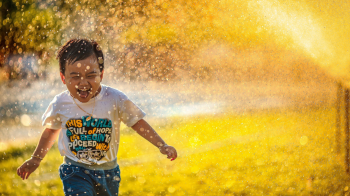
pixel 260 153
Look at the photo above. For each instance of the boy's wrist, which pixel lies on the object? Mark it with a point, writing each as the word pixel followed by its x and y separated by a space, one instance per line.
pixel 35 161
pixel 37 158
pixel 162 145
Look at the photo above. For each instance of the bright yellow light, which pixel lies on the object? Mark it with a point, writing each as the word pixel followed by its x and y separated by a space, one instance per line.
pixel 317 29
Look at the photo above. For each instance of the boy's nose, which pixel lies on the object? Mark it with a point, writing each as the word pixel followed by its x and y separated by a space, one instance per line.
pixel 83 81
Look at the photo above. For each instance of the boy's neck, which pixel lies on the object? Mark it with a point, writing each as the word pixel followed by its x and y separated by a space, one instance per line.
pixel 97 92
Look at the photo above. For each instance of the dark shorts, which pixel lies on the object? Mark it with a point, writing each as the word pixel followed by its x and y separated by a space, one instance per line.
pixel 81 181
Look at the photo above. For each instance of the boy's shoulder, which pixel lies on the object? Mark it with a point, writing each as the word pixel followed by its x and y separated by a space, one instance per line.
pixel 110 89
pixel 61 98
pixel 61 95
pixel 113 92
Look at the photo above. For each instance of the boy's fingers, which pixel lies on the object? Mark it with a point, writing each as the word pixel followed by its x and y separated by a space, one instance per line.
pixel 19 172
pixel 174 155
pixel 22 173
pixel 25 175
pixel 171 153
pixel 28 174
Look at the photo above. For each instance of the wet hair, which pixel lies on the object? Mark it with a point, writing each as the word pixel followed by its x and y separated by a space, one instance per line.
pixel 79 49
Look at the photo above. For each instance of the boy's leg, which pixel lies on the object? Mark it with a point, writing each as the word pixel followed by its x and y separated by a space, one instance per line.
pixel 108 182
pixel 76 181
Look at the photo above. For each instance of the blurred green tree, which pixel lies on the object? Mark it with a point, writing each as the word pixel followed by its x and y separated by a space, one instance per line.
pixel 27 27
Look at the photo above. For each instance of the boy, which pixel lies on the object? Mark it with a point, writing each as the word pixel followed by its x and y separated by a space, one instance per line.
pixel 87 119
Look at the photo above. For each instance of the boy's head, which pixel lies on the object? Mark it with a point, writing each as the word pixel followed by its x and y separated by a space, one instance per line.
pixel 81 68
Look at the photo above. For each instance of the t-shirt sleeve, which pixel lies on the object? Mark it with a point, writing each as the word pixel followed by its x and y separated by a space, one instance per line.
pixel 129 112
pixel 50 118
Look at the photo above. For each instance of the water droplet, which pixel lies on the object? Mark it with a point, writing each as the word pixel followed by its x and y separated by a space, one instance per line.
pixel 171 189
pixel 142 129
pixel 303 140
pixel 25 120
pixel 141 180
pixel 79 65
pixel 116 178
pixel 87 67
pixel 37 182
pixel 100 60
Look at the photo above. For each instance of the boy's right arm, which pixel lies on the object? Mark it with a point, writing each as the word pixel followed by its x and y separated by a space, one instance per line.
pixel 46 141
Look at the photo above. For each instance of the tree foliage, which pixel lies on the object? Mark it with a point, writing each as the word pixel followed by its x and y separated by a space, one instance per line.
pixel 144 39
pixel 27 27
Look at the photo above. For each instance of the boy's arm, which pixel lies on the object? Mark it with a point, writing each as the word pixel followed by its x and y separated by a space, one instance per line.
pixel 147 132
pixel 46 141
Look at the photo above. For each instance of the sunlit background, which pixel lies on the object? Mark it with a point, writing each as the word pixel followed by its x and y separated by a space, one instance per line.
pixel 245 90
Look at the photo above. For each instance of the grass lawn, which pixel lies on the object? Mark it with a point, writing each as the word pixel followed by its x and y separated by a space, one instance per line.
pixel 258 153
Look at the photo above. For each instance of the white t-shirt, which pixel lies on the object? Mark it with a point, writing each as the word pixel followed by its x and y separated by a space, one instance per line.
pixel 93 141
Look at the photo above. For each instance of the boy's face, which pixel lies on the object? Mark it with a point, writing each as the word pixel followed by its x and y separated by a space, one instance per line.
pixel 83 78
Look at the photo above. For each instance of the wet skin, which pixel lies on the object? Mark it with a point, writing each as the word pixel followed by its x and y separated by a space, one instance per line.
pixel 83 78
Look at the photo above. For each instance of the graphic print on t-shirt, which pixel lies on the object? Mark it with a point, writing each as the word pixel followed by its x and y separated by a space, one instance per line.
pixel 89 139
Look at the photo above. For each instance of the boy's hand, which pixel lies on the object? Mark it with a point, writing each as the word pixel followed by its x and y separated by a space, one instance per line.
pixel 168 150
pixel 28 167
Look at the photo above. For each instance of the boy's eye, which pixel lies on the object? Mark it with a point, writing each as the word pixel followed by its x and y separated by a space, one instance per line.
pixel 76 77
pixel 91 76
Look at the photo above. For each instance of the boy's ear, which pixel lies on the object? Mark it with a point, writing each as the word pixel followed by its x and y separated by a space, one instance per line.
pixel 63 78
pixel 101 76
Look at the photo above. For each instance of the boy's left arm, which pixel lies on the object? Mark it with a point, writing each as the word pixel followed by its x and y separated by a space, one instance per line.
pixel 147 132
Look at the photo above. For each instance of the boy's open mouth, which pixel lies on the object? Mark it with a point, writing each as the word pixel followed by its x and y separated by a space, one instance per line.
pixel 84 93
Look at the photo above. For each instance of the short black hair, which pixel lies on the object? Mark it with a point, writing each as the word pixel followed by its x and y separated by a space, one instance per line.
pixel 79 49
